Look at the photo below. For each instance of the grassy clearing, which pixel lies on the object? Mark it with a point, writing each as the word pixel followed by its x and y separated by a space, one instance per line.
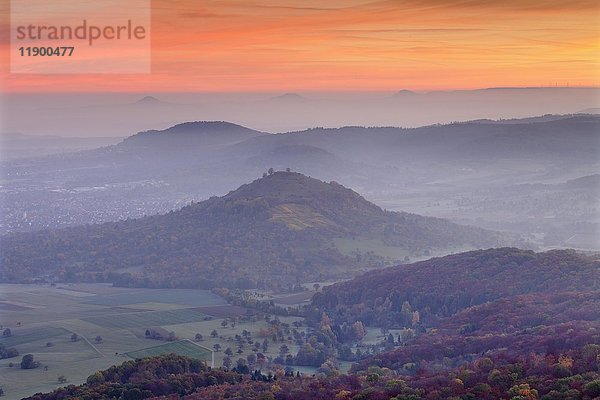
pixel 224 311
pixel 7 306
pixel 153 307
pixel 348 246
pixel 187 297
pixel 181 347
pixel 25 336
pixel 53 314
pixel 375 336
pixel 298 216
pixel 74 360
pixel 56 316
pixel 226 338
pixel 295 299
pixel 147 318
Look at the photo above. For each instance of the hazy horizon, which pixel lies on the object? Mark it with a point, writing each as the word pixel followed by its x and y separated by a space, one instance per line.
pixel 124 114
pixel 284 200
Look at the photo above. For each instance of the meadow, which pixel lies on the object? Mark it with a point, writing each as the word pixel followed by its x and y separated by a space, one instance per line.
pixel 28 336
pixel 181 347
pixel 185 297
pixel 110 325
pixel 147 318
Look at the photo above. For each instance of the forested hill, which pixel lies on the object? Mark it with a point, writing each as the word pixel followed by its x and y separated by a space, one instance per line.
pixel 441 287
pixel 571 374
pixel 145 378
pixel 274 232
pixel 189 136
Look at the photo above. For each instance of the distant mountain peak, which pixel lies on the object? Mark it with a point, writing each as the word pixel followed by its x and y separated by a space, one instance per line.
pixel 593 110
pixel 404 92
pixel 289 97
pixel 199 132
pixel 204 126
pixel 149 100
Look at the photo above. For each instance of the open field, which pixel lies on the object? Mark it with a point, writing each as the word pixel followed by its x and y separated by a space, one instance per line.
pixel 5 305
pixel 227 311
pixel 349 246
pixel 181 347
pixel 110 323
pixel 226 338
pixel 33 335
pixel 190 298
pixel 393 254
pixel 147 318
pixel 107 320
pixel 295 299
pixel 63 357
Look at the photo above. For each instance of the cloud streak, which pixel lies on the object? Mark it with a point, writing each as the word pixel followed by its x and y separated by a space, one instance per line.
pixel 358 45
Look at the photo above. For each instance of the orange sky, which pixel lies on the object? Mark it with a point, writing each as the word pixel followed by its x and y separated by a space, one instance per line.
pixel 282 46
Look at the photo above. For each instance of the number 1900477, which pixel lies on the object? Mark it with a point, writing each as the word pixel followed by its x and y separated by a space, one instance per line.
pixel 46 51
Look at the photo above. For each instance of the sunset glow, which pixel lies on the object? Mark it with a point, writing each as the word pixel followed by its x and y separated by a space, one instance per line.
pixel 359 45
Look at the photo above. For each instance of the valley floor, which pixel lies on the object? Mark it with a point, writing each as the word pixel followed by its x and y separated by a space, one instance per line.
pixel 42 319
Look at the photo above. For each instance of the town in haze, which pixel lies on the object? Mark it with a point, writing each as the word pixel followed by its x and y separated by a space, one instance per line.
pixel 271 200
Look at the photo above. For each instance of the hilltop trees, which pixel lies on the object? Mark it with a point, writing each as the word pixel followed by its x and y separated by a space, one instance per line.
pixel 28 362
pixel 284 349
pixel 499 376
pixel 251 359
pixel 242 366
pixel 7 352
pixel 149 377
pixel 153 334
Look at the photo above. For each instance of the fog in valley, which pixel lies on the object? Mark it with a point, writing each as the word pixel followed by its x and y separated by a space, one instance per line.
pixel 359 245
pixel 526 161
